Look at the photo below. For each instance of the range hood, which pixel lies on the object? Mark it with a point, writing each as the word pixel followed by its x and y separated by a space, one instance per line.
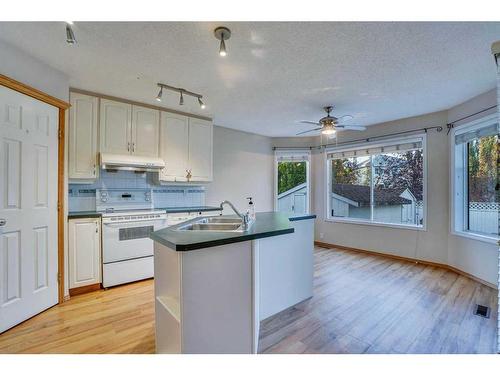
pixel 131 163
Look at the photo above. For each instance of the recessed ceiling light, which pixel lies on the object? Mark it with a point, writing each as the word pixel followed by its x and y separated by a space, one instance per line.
pixel 222 33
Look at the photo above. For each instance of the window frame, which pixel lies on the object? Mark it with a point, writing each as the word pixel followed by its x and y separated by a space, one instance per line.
pixel 459 194
pixel 361 146
pixel 293 153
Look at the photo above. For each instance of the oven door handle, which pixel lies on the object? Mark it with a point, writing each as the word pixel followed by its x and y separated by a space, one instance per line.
pixel 123 224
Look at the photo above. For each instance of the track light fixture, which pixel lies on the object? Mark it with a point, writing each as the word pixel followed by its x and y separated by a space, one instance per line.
pixel 182 92
pixel 70 35
pixel 222 33
pixel 160 93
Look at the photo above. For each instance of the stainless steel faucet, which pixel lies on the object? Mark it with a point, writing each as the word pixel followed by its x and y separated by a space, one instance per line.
pixel 244 217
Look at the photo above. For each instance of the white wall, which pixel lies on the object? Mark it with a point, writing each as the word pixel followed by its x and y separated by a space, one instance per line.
pixel 430 244
pixel 436 243
pixel 20 66
pixel 243 167
pixel 472 256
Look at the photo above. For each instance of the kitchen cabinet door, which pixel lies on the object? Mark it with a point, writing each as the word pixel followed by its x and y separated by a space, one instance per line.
pixel 82 147
pixel 174 133
pixel 84 252
pixel 115 127
pixel 145 131
pixel 200 150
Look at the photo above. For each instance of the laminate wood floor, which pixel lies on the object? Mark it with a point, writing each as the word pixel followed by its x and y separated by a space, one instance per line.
pixel 362 304
pixel 365 303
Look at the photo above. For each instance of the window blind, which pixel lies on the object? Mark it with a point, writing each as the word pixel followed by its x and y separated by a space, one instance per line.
pixel 292 156
pixel 384 149
pixel 485 131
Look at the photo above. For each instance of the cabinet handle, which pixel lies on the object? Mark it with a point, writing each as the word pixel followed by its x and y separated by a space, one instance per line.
pixel 128 146
pixel 94 169
pixel 96 228
pixel 133 147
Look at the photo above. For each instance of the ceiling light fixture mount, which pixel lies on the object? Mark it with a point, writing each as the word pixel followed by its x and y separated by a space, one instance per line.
pixel 181 92
pixel 222 33
pixel 70 35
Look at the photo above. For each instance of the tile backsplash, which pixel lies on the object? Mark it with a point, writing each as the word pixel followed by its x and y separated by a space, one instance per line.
pixel 82 196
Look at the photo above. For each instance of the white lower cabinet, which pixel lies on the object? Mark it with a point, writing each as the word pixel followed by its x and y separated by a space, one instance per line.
pixel 84 252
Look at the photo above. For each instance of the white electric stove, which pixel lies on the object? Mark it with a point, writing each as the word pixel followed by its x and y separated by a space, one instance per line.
pixel 128 218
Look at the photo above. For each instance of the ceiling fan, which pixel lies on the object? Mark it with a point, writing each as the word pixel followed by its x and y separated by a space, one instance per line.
pixel 329 125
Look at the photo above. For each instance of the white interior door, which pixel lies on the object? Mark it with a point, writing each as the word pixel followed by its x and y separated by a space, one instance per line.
pixel 28 204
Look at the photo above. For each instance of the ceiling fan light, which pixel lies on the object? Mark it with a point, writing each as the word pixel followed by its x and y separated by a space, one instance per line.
pixel 328 131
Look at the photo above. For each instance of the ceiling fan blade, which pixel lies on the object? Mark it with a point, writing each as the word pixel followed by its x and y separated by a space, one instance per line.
pixel 346 118
pixel 309 122
pixel 307 131
pixel 350 127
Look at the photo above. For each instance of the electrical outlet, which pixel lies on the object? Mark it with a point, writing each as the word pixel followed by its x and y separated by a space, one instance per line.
pixel 321 236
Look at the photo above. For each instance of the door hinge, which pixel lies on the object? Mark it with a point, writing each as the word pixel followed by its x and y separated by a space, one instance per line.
pixel 59 278
pixel 60 133
pixel 58 206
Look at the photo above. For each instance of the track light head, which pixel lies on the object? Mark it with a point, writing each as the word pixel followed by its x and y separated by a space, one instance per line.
pixel 181 100
pixel 222 34
pixel 70 36
pixel 202 105
pixel 160 93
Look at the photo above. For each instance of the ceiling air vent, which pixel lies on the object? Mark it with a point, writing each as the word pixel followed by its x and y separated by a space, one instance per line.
pixel 483 311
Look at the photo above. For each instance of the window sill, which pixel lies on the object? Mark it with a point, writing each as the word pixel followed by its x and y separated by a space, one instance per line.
pixel 376 224
pixel 476 236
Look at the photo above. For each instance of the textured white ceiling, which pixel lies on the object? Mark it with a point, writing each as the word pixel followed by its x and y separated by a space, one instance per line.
pixel 275 73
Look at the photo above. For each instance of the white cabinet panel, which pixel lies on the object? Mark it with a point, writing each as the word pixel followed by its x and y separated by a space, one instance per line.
pixel 200 150
pixel 174 144
pixel 145 131
pixel 115 125
pixel 82 148
pixel 84 252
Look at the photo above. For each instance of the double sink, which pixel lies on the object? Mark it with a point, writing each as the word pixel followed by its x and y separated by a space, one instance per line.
pixel 214 224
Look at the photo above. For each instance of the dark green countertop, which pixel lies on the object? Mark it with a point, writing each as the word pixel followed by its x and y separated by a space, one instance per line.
pixel 267 224
pixel 83 214
pixel 173 210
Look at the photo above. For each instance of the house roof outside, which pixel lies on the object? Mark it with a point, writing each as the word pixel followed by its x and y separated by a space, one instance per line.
pixel 361 194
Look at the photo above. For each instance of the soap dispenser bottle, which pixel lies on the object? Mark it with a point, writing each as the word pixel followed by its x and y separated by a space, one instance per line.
pixel 251 209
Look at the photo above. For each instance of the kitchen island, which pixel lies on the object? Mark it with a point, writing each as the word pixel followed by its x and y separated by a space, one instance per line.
pixel 212 288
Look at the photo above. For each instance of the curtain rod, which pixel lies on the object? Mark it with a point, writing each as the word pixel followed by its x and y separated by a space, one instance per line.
pixel 450 125
pixel 426 129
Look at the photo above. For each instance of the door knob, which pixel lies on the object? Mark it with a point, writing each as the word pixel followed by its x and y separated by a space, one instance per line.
pixel 3 222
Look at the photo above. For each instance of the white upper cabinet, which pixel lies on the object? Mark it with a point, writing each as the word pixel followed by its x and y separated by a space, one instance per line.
pixel 174 144
pixel 186 148
pixel 200 149
pixel 82 150
pixel 115 127
pixel 145 131
pixel 128 129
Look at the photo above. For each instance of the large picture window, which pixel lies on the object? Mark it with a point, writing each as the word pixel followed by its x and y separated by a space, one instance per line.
pixel 476 204
pixel 380 183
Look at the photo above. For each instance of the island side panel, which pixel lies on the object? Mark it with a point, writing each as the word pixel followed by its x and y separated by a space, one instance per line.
pixel 167 265
pixel 286 268
pixel 217 299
